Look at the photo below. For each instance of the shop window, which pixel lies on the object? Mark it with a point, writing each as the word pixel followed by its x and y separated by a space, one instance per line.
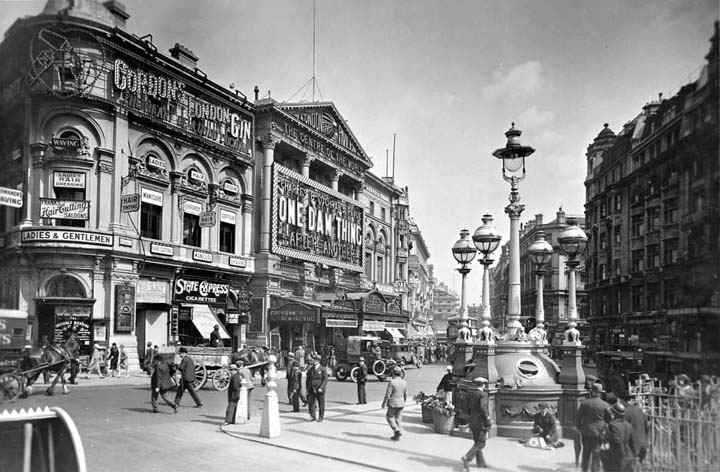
pixel 227 237
pixel 72 194
pixel 150 221
pixel 192 233
pixel 65 286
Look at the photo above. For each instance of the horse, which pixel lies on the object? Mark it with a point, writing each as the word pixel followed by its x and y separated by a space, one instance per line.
pixel 45 359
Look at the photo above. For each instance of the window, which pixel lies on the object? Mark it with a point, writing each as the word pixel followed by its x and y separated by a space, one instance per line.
pixel 372 208
pixel 603 210
pixel 670 255
pixel 671 211
pixel 227 237
pixel 653 297
pixel 603 272
pixel 638 294
pixel 150 221
pixel 382 214
pixel 638 263
pixel 653 256
pixel 653 219
pixel 617 266
pixel 73 194
pixel 617 233
pixel 192 233
pixel 637 228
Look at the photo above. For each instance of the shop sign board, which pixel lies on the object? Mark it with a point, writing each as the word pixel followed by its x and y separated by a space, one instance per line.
pixel 293 312
pixel 152 291
pixel 130 203
pixel 335 323
pixel 369 325
pixel 74 237
pixel 207 219
pixel 64 209
pixel 200 290
pixel 80 323
pixel 236 261
pixel 374 303
pixel 202 256
pixel 11 197
pixel 124 308
pixel 314 223
pixel 162 249
pixel 69 179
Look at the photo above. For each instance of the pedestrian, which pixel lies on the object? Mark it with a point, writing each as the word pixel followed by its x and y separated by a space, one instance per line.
pixel 445 385
pixel 639 422
pixel 95 362
pixel 233 395
pixel 621 455
pixel 123 364
pixel 215 338
pixel 187 378
pixel 246 373
pixel 72 344
pixel 395 398
pixel 300 356
pixel 315 383
pixel 479 423
pixel 288 373
pixel 544 425
pixel 591 421
pixel 362 375
pixel 113 359
pixel 309 356
pixel 160 383
pixel 148 360
pixel 295 386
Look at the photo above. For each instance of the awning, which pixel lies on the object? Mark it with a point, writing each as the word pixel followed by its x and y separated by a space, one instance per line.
pixel 205 320
pixel 394 332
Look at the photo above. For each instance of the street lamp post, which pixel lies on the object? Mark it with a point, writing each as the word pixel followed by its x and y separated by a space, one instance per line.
pixel 464 252
pixel 513 157
pixel 486 240
pixel 540 252
pixel 572 241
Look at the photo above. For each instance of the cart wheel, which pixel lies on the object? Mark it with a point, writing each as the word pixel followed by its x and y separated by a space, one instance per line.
pixel 200 376
pixel 378 367
pixel 221 379
pixel 354 374
pixel 10 387
pixel 341 373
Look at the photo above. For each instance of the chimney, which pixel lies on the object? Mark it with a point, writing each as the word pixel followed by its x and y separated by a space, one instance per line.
pixel 120 15
pixel 560 216
pixel 184 56
pixel 257 92
pixel 539 219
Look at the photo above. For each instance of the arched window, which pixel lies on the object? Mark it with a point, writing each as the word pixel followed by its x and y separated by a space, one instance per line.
pixel 65 286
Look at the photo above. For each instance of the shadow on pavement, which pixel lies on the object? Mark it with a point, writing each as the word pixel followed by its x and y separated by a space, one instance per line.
pixel 564 466
pixel 139 410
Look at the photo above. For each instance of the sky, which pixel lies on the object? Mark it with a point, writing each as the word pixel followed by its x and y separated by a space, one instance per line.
pixel 448 78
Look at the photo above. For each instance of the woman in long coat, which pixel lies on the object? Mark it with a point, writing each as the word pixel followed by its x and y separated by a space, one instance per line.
pixel 95 361
pixel 113 359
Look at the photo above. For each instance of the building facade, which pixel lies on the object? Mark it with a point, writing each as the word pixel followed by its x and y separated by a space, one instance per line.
pixel 653 193
pixel 135 176
pixel 445 308
pixel 420 282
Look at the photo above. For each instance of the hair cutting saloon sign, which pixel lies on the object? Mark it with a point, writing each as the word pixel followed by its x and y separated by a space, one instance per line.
pixel 200 290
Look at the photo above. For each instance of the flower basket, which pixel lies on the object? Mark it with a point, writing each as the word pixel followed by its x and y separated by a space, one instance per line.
pixel 442 422
pixel 426 414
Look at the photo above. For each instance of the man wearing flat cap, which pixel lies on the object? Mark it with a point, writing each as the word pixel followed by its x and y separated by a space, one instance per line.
pixel 233 394
pixel 591 422
pixel 479 423
pixel 395 398
pixel 362 374
pixel 621 455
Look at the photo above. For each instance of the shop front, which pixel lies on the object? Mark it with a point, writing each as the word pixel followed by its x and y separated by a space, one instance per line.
pixel 293 323
pixel 338 323
pixel 198 305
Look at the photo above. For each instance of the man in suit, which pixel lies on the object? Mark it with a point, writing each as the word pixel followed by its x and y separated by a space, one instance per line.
pixel 233 394
pixel 215 338
pixel 72 344
pixel 295 386
pixel 544 425
pixel 479 423
pixel 187 371
pixel 288 371
pixel 395 398
pixel 160 382
pixel 300 356
pixel 362 375
pixel 639 422
pixel 316 383
pixel 591 422
pixel 621 455
pixel 246 373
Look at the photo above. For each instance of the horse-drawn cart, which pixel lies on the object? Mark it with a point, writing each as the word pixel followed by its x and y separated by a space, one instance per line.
pixel 210 363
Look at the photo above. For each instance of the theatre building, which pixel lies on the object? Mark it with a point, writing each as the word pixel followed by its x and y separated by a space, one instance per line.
pixel 135 177
pixel 316 233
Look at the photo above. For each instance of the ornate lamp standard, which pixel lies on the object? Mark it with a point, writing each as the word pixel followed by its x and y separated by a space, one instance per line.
pixel 513 158
pixel 464 252
pixel 540 252
pixel 486 240
pixel 572 241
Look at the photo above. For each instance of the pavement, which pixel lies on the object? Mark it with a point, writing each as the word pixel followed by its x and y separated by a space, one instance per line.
pixel 358 437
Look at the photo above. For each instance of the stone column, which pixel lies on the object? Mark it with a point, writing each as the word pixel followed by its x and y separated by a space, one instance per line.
pixel 35 183
pixel 107 201
pixel 335 178
pixel 247 210
pixel 269 143
pixel 306 166
pixel 514 210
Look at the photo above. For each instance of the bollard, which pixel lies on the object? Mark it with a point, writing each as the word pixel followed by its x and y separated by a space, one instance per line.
pixel 241 413
pixel 270 425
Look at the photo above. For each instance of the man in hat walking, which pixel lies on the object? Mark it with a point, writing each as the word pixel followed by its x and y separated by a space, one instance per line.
pixel 233 394
pixel 639 422
pixel 187 377
pixel 315 383
pixel 479 423
pixel 395 398
pixel 592 418
pixel 362 374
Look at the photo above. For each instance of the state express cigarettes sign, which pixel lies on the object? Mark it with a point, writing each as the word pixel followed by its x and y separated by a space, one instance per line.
pixel 314 223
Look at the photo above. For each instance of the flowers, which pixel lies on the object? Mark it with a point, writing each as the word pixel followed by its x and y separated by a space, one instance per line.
pixel 440 404
pixel 421 397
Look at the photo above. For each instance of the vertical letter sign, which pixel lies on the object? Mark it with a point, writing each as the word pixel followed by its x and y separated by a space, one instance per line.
pixel 124 308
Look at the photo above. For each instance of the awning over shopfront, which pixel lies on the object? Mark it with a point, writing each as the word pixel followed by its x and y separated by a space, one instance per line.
pixel 394 332
pixel 205 320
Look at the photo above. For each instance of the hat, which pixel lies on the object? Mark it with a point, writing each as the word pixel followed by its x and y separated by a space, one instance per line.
pixel 448 368
pixel 480 380
pixel 183 349
pixel 397 370
pixel 611 398
pixel 362 359
pixel 290 354
pixel 618 409
pixel 597 387
pixel 543 405
pixel 233 366
pixel 240 361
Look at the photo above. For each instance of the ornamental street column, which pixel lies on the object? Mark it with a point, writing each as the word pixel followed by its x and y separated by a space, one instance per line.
pixel 270 426
pixel 268 143
pixel 335 178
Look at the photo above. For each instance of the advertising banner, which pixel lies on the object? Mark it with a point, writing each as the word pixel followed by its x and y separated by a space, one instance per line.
pixel 314 223
pixel 64 209
pixel 200 290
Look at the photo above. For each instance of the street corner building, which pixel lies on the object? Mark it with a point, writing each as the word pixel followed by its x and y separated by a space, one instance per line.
pixel 136 177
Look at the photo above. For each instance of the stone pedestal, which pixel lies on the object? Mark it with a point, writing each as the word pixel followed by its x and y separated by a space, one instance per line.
pixel 241 414
pixel 572 379
pixel 270 425
pixel 463 356
pixel 484 357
